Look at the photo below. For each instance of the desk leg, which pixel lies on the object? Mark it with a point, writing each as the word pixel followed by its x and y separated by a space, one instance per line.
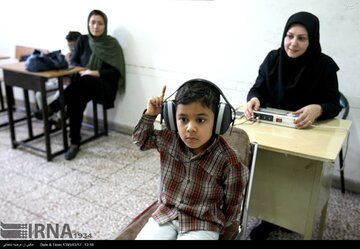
pixel 1 100
pixel 319 200
pixel 9 92
pixel 46 121
pixel 322 221
pixel 62 112
pixel 28 113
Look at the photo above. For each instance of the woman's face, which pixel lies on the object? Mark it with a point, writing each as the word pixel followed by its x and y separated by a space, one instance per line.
pixel 296 41
pixel 96 25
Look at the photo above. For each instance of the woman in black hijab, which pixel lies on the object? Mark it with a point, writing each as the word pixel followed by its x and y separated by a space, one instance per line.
pixel 296 77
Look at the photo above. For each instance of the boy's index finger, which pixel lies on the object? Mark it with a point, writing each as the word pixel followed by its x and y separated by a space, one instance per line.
pixel 163 92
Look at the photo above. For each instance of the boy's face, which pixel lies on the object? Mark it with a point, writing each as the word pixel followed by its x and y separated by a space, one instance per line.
pixel 71 45
pixel 195 125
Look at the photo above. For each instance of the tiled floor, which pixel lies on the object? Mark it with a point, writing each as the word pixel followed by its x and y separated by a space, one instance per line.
pixel 98 193
pixel 105 186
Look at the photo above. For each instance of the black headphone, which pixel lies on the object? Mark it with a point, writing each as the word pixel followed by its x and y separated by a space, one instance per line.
pixel 224 116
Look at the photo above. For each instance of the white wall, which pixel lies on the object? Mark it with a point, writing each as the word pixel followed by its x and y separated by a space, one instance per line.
pixel 171 41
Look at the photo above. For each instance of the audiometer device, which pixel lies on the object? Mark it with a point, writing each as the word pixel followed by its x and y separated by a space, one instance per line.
pixel 275 116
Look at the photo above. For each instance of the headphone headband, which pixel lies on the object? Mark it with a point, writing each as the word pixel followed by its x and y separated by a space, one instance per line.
pixel 204 81
pixel 224 117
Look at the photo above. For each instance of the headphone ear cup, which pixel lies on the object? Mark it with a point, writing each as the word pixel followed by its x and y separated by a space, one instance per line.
pixel 223 119
pixel 168 113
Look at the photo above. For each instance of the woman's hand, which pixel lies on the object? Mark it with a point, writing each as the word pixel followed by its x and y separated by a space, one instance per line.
pixel 90 72
pixel 154 105
pixel 308 115
pixel 251 106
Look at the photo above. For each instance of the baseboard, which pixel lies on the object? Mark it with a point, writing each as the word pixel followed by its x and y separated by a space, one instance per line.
pixel 350 185
pixel 124 129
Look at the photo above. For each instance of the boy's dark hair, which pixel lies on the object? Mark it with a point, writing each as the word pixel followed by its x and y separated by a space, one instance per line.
pixel 72 36
pixel 198 91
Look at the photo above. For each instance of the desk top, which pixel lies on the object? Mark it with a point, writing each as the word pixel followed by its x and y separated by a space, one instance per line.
pixel 20 68
pixel 323 141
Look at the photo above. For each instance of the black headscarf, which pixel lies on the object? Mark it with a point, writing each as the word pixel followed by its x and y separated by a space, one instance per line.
pixel 292 83
pixel 293 70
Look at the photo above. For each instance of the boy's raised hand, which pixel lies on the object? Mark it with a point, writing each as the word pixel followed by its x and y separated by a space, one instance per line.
pixel 154 105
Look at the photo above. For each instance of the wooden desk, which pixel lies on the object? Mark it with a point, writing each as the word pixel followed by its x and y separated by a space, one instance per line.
pixel 293 172
pixel 16 75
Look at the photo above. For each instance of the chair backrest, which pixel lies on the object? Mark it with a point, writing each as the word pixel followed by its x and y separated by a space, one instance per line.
pixel 22 52
pixel 239 140
pixel 345 105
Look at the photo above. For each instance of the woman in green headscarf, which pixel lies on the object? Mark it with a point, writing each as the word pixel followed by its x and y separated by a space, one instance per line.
pixel 104 75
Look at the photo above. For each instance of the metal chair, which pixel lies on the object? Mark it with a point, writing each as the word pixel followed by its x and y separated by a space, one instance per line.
pixel 247 152
pixel 346 107
pixel 95 124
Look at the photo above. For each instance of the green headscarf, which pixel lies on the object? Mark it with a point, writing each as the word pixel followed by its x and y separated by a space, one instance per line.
pixel 106 49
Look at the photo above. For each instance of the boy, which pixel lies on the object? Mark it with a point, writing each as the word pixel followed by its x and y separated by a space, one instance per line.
pixel 202 179
pixel 52 84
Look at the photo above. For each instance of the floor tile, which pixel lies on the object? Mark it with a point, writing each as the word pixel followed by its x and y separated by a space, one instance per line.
pixel 75 182
pixel 105 193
